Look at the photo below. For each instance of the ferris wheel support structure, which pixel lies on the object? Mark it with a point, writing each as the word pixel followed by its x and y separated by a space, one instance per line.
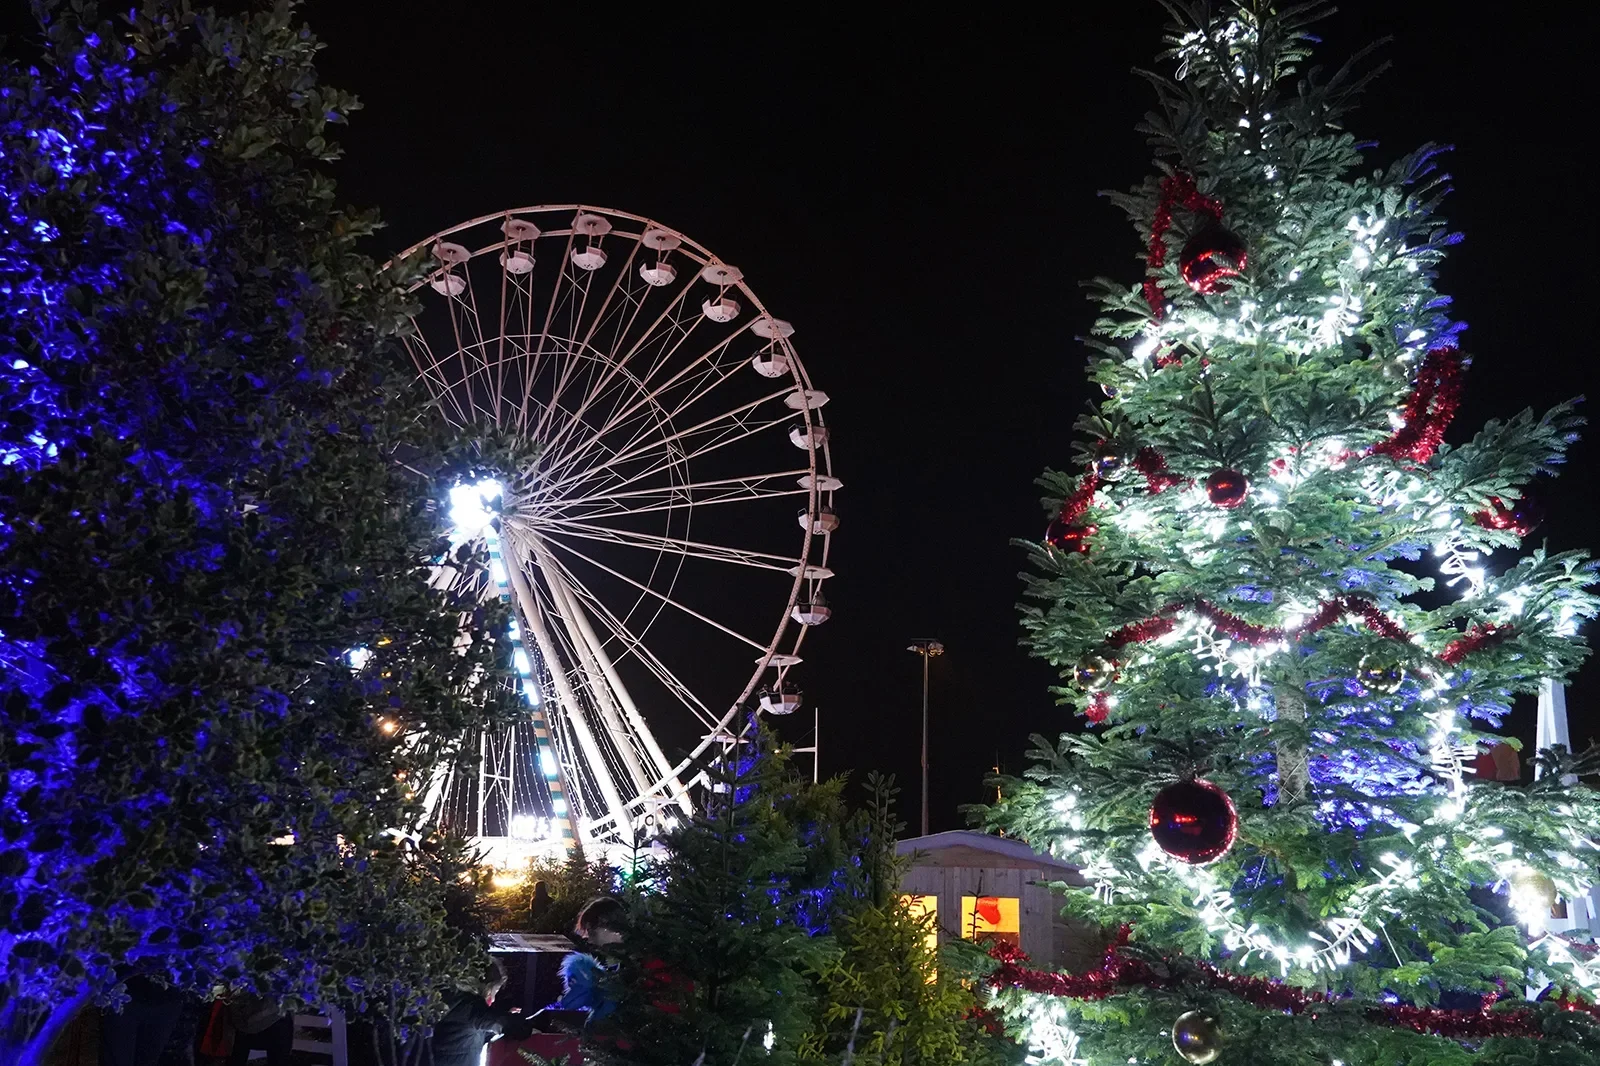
pixel 650 549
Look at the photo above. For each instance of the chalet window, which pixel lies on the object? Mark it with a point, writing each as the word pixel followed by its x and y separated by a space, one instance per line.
pixel 992 918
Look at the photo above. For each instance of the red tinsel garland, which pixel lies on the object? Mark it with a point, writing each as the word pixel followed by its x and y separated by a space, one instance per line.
pixel 1428 410
pixel 1118 972
pixel 1476 637
pixel 1243 632
pixel 1073 506
pixel 1153 465
pixel 1179 189
pixel 1099 708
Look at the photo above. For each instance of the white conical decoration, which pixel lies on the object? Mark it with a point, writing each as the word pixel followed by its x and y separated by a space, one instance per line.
pixel 1553 730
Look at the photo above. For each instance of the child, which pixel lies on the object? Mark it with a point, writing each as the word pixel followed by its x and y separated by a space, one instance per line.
pixel 473 1020
pixel 598 925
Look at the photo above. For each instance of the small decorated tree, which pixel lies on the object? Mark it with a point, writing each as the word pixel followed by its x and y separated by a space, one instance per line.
pixel 714 958
pixel 1270 589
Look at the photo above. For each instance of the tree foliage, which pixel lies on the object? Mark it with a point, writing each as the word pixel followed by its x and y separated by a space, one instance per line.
pixel 1302 373
pixel 717 940
pixel 885 996
pixel 571 882
pixel 202 512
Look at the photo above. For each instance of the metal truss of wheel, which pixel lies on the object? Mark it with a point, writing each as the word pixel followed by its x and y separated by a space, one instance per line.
pixel 665 552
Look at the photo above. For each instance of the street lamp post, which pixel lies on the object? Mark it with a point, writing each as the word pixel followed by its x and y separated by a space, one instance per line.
pixel 927 649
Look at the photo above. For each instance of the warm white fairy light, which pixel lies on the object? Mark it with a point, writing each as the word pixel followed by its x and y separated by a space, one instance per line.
pixel 1133 519
pixel 1047 1034
pixel 1459 564
pixel 1359 925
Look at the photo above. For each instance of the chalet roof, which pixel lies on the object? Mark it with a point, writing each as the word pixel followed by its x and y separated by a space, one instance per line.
pixel 963 847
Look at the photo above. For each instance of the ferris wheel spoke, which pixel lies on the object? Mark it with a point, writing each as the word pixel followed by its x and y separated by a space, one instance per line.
pixel 615 482
pixel 656 542
pixel 469 332
pixel 671 315
pixel 430 369
pixel 647 408
pixel 619 284
pixel 673 505
pixel 556 460
pixel 650 394
pixel 544 335
pixel 724 430
pixel 733 422
pixel 633 646
pixel 572 366
pixel 663 597
pixel 753 486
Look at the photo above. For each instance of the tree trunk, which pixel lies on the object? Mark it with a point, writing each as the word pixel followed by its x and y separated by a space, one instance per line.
pixel 1294 771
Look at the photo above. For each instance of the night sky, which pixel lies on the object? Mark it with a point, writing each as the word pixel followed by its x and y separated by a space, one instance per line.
pixel 918 195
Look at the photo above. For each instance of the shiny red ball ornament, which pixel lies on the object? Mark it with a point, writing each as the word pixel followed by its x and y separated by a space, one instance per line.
pixel 1194 821
pixel 1519 518
pixel 1064 536
pixel 988 908
pixel 1108 463
pixel 1227 488
pixel 1211 257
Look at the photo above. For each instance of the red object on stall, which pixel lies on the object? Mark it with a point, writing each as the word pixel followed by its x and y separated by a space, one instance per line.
pixel 540 1049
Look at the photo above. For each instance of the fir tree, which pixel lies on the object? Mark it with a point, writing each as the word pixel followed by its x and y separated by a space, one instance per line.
pixel 713 960
pixel 1241 586
pixel 571 882
pixel 884 995
pixel 202 516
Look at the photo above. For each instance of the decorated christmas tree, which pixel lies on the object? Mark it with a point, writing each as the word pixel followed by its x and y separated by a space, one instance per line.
pixel 1294 618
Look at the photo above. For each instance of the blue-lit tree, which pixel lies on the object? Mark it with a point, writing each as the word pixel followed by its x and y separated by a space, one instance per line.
pixel 720 927
pixel 1240 586
pixel 203 510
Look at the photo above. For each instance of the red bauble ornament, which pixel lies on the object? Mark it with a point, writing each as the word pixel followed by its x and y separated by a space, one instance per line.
pixel 1211 257
pixel 1519 518
pixel 1227 488
pixel 1194 821
pixel 1064 536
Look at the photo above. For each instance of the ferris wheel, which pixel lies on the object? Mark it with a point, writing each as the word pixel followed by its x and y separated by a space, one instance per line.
pixel 664 552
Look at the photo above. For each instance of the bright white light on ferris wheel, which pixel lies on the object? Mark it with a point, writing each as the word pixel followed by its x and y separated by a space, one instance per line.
pixel 470 513
pixel 523 664
pixel 532 827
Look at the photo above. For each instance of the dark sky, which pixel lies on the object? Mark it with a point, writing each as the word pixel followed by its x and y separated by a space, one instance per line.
pixel 918 195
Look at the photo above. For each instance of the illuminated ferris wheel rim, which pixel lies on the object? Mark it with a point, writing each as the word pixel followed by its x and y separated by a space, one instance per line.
pixel 535 535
